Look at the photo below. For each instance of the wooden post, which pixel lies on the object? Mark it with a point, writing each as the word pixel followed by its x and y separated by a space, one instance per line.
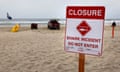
pixel 81 62
pixel 112 31
pixel 113 26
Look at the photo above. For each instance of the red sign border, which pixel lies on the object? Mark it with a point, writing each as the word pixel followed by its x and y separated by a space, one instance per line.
pixel 88 8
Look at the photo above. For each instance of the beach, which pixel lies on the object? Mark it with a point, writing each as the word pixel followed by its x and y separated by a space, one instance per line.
pixel 42 50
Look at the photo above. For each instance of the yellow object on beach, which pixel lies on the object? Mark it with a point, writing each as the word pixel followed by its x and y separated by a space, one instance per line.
pixel 15 28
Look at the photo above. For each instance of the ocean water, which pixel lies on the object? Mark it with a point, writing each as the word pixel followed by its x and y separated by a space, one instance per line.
pixel 34 20
pixel 6 22
pixel 26 22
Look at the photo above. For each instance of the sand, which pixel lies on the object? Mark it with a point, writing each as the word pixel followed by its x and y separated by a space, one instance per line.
pixel 42 50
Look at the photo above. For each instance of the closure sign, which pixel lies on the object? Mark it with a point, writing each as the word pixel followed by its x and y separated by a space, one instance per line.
pixel 84 29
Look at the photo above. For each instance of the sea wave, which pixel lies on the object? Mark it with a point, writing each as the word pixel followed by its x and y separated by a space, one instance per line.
pixel 45 21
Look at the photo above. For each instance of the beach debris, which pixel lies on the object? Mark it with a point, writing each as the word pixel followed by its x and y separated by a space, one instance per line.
pixel 34 26
pixel 53 24
pixel 15 28
pixel 8 16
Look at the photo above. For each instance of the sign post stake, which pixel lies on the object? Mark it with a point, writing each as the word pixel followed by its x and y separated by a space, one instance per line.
pixel 112 31
pixel 113 27
pixel 81 62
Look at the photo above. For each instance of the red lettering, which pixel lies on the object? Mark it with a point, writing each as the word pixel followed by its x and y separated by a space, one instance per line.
pixel 91 40
pixel 72 38
pixel 78 44
pixel 91 45
pixel 70 43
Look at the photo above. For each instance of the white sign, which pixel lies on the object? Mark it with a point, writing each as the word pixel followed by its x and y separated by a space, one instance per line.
pixel 84 29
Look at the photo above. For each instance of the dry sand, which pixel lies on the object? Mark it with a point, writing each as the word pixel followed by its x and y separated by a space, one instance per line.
pixel 42 50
